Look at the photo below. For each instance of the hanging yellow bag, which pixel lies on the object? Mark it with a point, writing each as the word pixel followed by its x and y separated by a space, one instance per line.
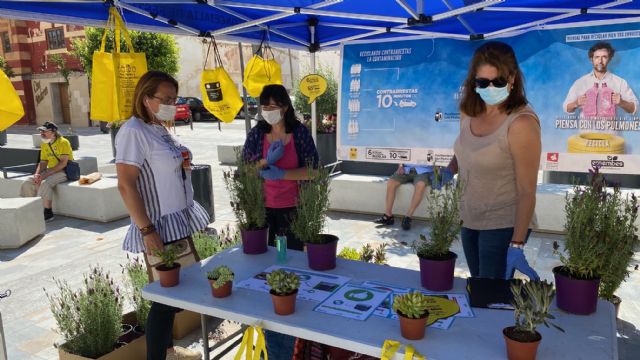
pixel 261 71
pixel 390 347
pixel 11 109
pixel 219 93
pixel 114 76
pixel 246 347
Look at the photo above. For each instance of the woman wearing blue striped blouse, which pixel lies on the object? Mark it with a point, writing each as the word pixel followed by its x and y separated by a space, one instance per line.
pixel 154 179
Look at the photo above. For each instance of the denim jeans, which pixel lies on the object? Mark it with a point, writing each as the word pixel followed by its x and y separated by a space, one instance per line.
pixel 159 330
pixel 279 346
pixel 486 251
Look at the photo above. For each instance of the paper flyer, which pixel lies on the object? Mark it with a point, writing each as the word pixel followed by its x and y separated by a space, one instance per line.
pixel 384 310
pixel 354 302
pixel 460 299
pixel 314 286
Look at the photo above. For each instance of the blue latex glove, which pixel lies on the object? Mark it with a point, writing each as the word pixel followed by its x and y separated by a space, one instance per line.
pixel 444 177
pixel 517 261
pixel 272 173
pixel 275 152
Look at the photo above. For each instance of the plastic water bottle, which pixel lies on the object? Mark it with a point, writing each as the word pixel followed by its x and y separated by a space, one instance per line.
pixel 281 246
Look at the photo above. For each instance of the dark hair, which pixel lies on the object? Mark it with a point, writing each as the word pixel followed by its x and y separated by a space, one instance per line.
pixel 502 57
pixel 147 87
pixel 602 45
pixel 280 96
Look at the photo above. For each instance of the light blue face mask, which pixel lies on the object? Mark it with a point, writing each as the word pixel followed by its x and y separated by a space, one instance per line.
pixel 493 95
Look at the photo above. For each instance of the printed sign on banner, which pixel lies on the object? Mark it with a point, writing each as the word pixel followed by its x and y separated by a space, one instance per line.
pixel 399 99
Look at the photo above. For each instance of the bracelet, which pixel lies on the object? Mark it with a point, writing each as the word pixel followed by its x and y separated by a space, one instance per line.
pixel 147 229
pixel 517 245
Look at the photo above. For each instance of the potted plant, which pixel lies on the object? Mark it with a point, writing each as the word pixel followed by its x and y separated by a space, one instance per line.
pixel 599 226
pixel 437 262
pixel 284 288
pixel 412 312
pixel 169 269
pixel 531 302
pixel 136 279
pixel 310 220
pixel 246 192
pixel 221 281
pixel 210 242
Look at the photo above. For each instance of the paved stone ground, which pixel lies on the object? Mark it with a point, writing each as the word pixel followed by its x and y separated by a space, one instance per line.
pixel 70 246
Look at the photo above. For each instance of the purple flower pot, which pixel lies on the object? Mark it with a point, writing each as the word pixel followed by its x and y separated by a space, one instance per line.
pixel 323 256
pixel 575 296
pixel 437 274
pixel 254 241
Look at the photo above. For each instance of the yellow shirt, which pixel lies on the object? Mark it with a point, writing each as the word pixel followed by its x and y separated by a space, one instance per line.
pixel 61 146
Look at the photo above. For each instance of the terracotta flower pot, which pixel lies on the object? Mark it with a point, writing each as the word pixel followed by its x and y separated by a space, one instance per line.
pixel 169 277
pixel 223 291
pixel 284 304
pixel 437 274
pixel 575 296
pixel 254 241
pixel 520 350
pixel 323 256
pixel 413 329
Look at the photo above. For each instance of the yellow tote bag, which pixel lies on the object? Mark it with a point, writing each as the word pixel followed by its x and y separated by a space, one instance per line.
pixel 115 75
pixel 11 109
pixel 390 347
pixel 219 93
pixel 247 348
pixel 261 71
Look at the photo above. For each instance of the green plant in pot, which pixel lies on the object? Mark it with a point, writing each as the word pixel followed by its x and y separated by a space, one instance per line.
pixel 412 312
pixel 531 302
pixel 599 230
pixel 90 318
pixel 437 262
pixel 169 268
pixel 221 281
pixel 311 218
pixel 245 187
pixel 284 288
pixel 210 242
pixel 136 279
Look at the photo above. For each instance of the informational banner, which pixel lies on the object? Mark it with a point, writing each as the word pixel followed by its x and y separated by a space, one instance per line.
pixel 399 101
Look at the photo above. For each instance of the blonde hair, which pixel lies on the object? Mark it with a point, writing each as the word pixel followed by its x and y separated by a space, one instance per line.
pixel 147 87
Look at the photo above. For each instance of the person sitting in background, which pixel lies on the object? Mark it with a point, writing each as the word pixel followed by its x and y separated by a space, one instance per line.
pixel 55 151
pixel 420 177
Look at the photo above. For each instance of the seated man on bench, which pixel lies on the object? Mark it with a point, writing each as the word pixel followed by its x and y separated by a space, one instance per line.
pixel 54 154
pixel 417 174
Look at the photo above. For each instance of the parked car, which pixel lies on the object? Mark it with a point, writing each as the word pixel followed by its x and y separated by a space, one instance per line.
pixel 198 111
pixel 183 113
pixel 252 107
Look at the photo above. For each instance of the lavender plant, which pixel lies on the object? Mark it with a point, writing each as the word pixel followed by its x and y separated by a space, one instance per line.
pixel 247 195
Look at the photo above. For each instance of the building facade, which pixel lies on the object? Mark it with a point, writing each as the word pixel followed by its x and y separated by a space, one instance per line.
pixel 28 47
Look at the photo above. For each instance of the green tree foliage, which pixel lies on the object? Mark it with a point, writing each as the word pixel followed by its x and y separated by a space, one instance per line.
pixel 4 66
pixel 161 49
pixel 327 103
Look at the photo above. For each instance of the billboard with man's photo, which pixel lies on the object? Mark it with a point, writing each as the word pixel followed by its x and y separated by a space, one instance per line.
pixel 399 100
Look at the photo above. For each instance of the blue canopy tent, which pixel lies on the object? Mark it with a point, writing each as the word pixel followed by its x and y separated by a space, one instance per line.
pixel 322 24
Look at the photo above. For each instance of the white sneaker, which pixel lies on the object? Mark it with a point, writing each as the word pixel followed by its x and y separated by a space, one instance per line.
pixel 180 353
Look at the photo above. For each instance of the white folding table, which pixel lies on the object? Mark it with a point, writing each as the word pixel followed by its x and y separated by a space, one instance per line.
pixel 586 337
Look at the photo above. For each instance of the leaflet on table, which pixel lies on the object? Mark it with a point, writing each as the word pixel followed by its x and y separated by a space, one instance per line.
pixel 352 301
pixel 384 310
pixel 314 286
pixel 460 299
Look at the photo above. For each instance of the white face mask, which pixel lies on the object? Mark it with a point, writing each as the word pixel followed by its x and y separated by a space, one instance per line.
pixel 271 116
pixel 166 112
pixel 45 140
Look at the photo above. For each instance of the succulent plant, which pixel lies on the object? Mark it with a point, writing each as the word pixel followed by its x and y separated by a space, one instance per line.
pixel 531 301
pixel 168 256
pixel 221 275
pixel 283 282
pixel 412 305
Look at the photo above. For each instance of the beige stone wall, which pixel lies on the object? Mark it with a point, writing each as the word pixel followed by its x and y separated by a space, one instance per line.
pixel 47 103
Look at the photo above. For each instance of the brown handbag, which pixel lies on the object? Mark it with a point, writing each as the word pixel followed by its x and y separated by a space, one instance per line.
pixel 187 255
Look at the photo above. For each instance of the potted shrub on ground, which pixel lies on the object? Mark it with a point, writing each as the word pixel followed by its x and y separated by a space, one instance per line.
pixel 437 262
pixel 221 281
pixel 531 301
pixel 246 192
pixel 136 279
pixel 210 242
pixel 599 226
pixel 412 312
pixel 284 288
pixel 169 269
pixel 311 218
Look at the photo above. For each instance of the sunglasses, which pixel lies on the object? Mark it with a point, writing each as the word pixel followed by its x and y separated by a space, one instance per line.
pixel 497 82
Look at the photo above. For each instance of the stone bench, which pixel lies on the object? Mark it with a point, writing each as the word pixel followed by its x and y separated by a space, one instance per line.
pixel 99 201
pixel 227 154
pixel 366 194
pixel 21 220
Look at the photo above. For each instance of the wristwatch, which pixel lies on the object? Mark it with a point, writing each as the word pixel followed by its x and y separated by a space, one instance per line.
pixel 517 245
